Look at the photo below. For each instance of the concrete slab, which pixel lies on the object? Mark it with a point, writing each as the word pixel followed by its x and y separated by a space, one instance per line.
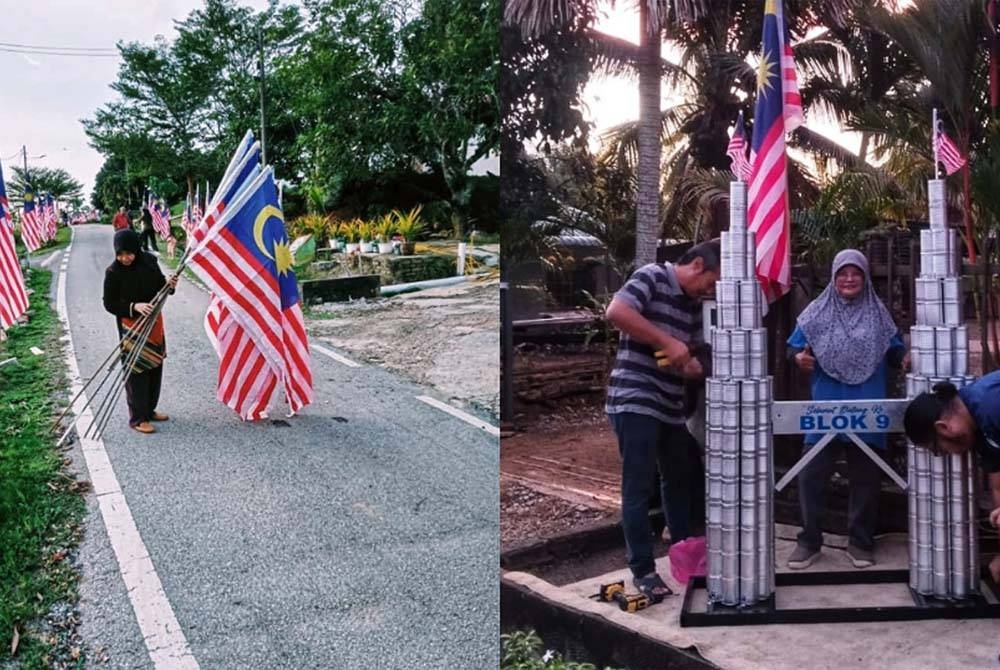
pixel 884 645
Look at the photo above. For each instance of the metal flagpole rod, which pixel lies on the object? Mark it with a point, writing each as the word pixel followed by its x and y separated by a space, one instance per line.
pixel 934 143
pixel 101 420
pixel 260 45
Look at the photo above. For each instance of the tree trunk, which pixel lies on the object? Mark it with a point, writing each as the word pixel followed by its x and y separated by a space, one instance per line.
pixel 647 198
pixel 863 151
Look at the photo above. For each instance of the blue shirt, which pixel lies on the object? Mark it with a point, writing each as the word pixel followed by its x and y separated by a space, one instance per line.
pixel 825 387
pixel 982 398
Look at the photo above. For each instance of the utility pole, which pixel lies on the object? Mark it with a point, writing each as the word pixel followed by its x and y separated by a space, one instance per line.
pixel 263 143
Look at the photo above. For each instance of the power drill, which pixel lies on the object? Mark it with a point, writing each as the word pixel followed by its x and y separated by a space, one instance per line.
pixel 615 592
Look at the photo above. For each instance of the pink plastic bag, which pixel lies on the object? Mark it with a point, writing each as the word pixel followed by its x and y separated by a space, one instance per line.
pixel 688 559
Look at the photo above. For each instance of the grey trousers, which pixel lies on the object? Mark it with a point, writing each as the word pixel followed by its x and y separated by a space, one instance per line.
pixel 865 484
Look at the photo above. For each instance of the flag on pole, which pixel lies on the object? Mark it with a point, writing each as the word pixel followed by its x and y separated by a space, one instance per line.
pixel 50 217
pixel 778 111
pixel 737 151
pixel 32 227
pixel 196 211
pixel 13 296
pixel 255 319
pixel 948 152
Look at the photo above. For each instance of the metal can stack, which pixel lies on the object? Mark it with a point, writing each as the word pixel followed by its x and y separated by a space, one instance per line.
pixel 941 506
pixel 740 471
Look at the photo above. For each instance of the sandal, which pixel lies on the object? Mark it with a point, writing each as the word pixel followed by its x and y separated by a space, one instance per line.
pixel 652 586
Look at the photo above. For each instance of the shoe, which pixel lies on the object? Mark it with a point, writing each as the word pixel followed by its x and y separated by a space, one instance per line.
pixel 159 416
pixel 144 427
pixel 860 558
pixel 802 557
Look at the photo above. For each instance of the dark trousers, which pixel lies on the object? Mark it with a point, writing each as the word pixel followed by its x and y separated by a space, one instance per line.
pixel 865 484
pixel 147 239
pixel 647 445
pixel 143 393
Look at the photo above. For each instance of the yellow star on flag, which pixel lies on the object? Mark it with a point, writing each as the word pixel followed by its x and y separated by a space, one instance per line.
pixel 283 256
pixel 765 69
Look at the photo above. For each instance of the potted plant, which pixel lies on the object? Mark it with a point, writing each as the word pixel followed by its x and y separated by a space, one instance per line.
pixel 409 226
pixel 386 228
pixel 334 230
pixel 365 235
pixel 349 229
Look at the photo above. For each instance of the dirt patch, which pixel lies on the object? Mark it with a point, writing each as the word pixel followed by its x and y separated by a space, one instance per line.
pixel 527 515
pixel 448 338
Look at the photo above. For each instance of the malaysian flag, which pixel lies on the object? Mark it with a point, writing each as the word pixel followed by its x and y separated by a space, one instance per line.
pixel 947 152
pixel 160 215
pixel 255 320
pixel 778 111
pixel 32 225
pixel 13 297
pixel 737 151
pixel 49 209
pixel 196 210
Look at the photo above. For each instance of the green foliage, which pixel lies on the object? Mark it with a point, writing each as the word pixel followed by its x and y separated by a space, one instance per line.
pixel 39 508
pixel 357 92
pixel 409 225
pixel 56 181
pixel 522 650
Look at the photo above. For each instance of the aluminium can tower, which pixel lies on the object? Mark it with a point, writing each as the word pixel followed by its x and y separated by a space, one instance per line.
pixel 943 551
pixel 739 456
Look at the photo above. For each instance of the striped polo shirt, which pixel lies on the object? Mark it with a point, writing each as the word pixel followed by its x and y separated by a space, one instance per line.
pixel 637 384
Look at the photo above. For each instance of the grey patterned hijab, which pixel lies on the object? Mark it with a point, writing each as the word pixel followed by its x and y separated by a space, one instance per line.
pixel 849 338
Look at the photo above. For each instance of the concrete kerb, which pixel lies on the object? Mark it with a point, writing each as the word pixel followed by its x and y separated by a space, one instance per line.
pixel 582 628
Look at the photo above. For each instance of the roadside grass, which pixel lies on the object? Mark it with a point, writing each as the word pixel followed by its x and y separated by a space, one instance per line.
pixel 40 506
pixel 62 240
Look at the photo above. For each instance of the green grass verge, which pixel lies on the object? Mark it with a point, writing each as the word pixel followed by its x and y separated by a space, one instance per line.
pixel 62 239
pixel 40 507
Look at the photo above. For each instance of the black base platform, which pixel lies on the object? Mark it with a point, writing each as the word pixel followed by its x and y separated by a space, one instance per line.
pixel 767 612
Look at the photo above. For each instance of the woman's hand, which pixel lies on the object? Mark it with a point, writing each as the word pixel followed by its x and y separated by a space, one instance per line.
pixel 172 281
pixel 805 360
pixel 143 308
pixel 906 368
pixel 995 517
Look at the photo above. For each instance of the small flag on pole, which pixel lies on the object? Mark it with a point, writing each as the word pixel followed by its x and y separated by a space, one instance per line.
pixel 947 152
pixel 13 297
pixel 737 151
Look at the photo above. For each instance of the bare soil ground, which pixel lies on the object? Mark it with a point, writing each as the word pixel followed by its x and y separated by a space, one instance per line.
pixel 448 338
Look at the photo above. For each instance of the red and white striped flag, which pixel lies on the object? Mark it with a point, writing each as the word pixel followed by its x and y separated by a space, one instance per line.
pixel 255 321
pixel 13 296
pixel 948 152
pixel 32 223
pixel 778 111
pixel 737 151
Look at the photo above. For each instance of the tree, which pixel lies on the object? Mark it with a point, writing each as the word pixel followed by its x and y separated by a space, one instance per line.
pixel 56 181
pixel 449 80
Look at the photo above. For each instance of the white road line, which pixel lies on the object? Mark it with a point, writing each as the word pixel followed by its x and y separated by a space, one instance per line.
pixel 335 356
pixel 467 418
pixel 168 648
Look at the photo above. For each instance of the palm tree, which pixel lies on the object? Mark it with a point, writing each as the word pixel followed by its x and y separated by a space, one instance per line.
pixel 535 17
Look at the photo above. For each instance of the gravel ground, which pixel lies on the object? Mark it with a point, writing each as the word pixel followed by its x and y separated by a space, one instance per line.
pixel 527 515
pixel 448 338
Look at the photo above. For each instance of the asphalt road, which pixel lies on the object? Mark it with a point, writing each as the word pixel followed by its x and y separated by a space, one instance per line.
pixel 363 535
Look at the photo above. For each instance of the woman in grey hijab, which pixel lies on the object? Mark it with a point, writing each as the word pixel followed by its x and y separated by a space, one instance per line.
pixel 846 339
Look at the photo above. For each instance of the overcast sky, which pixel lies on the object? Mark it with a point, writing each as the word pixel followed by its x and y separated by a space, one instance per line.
pixel 44 97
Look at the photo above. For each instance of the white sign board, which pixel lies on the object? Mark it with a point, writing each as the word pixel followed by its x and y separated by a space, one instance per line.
pixel 834 416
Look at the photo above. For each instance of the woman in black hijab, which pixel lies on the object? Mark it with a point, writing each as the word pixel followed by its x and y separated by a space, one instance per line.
pixel 130 283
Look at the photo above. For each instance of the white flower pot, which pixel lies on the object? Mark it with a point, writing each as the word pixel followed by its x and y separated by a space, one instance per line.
pixel 351 247
pixel 385 247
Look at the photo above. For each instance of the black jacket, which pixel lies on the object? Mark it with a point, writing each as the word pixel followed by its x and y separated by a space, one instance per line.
pixel 126 285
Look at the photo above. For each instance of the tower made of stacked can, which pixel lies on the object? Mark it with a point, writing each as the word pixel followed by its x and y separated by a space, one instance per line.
pixel 943 550
pixel 739 465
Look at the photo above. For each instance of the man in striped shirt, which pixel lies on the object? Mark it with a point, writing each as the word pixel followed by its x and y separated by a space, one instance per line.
pixel 658 311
